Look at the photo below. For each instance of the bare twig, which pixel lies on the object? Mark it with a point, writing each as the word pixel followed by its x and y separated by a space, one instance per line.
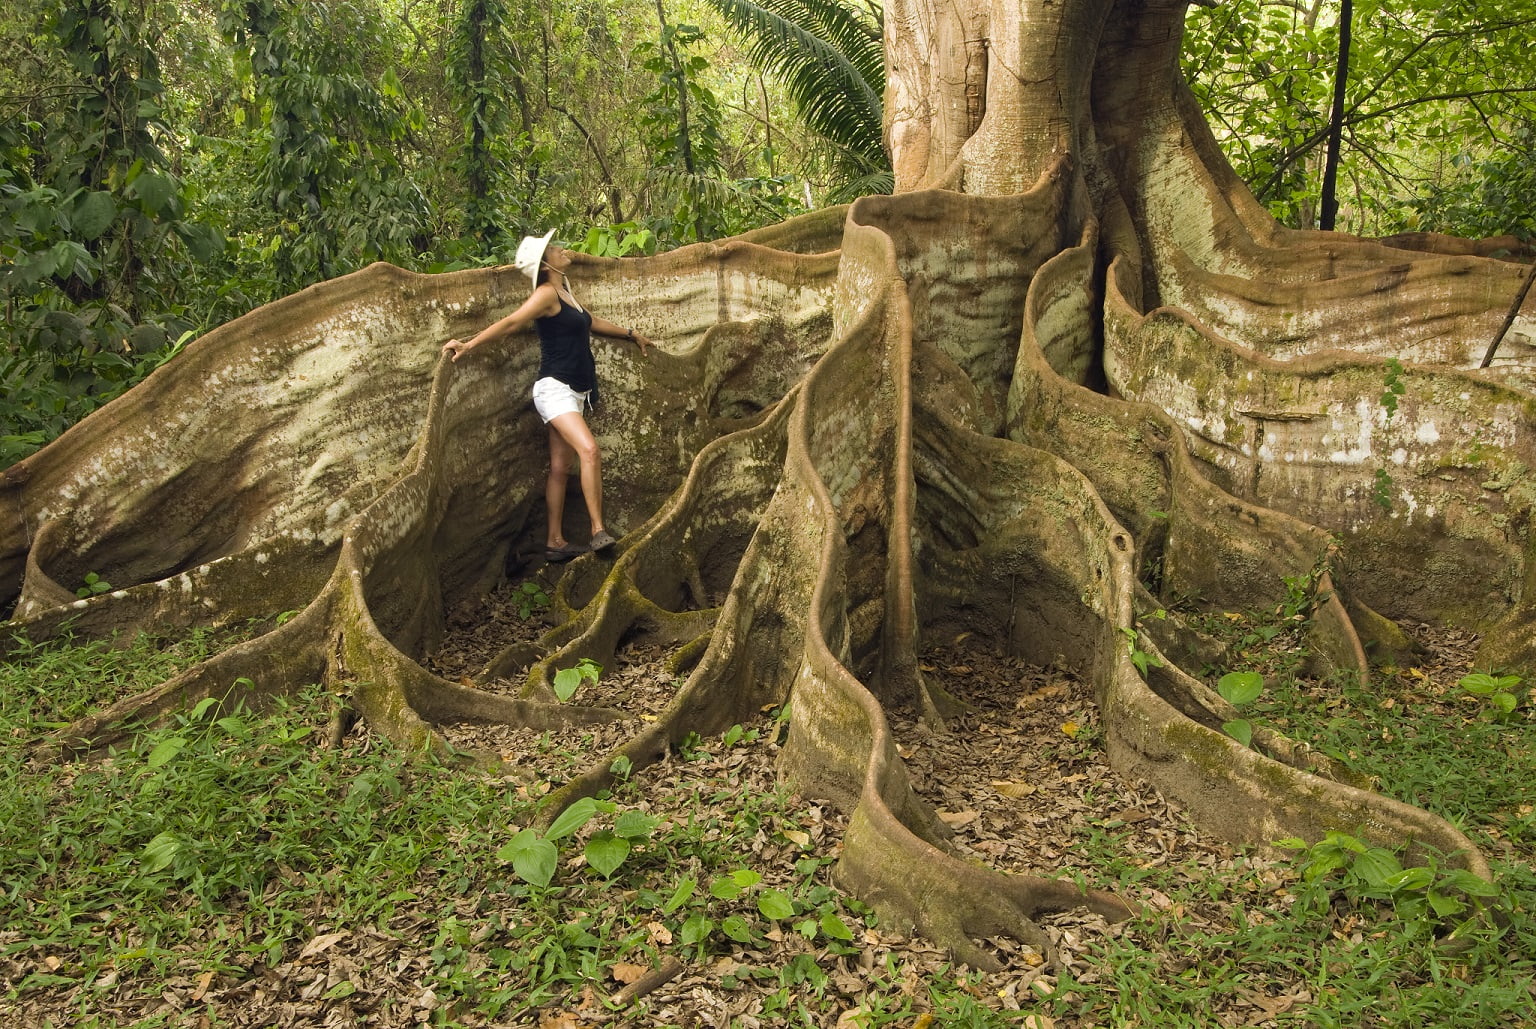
pixel 1509 319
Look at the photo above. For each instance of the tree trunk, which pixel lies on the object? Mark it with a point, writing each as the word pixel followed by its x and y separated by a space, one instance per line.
pixel 1070 373
pixel 1329 203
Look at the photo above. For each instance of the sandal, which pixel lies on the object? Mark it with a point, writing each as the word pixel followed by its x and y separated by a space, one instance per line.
pixel 565 552
pixel 603 540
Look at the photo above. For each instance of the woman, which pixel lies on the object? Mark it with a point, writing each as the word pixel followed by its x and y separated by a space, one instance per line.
pixel 567 383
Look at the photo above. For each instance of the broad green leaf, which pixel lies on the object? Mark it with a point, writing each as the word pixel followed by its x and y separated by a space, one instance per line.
pixel 1411 905
pixel 1240 729
pixel 1471 885
pixel 156 192
pixel 835 927
pixel 1344 841
pixel 1239 688
pixel 1483 684
pixel 1376 865
pixel 166 749
pixel 680 896
pixel 725 888
pixel 1444 904
pixel 94 213
pixel 736 928
pixel 1409 879
pixel 572 819
pixel 533 858
pixel 203 242
pixel 234 726
pixel 745 877
pixel 606 852
pixel 159 852
pixel 1322 863
pixel 696 929
pixel 775 904
pixel 567 682
pixel 635 824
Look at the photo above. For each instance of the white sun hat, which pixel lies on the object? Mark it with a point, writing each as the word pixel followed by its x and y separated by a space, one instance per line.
pixel 530 253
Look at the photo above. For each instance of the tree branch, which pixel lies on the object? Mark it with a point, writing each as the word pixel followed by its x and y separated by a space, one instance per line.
pixel 1311 142
pixel 1509 319
pixel 614 206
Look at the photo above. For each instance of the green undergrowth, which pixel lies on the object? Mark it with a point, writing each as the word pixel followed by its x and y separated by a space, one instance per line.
pixel 1344 935
pixel 229 856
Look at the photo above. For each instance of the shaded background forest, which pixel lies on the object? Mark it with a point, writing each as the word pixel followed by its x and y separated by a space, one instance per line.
pixel 165 167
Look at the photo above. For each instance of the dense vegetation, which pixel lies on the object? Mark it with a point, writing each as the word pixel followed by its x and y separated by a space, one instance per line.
pixel 172 167
pixel 1437 113
pixel 167 167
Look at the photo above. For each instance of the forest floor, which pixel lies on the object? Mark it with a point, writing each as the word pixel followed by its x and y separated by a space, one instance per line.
pixel 724 912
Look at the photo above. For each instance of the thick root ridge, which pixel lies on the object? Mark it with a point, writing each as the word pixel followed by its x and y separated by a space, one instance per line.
pixel 1428 489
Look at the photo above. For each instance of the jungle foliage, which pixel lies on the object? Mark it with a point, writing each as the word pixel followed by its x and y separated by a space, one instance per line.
pixel 166 167
pixel 1438 110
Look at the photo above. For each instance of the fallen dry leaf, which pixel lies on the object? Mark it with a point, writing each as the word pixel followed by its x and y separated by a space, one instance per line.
pixel 624 972
pixel 853 1018
pixel 1013 789
pixel 320 943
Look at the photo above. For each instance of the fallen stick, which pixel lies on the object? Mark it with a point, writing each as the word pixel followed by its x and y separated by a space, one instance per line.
pixel 652 980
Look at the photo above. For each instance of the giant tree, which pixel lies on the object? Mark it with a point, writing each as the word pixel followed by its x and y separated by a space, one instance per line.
pixel 1068 373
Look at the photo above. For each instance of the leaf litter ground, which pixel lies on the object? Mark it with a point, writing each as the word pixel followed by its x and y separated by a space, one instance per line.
pixel 1020 778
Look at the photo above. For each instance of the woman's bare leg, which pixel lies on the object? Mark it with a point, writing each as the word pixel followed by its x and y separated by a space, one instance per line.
pixel 570 433
pixel 561 461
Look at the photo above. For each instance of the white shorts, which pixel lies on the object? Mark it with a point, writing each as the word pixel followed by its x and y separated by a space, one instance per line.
pixel 553 398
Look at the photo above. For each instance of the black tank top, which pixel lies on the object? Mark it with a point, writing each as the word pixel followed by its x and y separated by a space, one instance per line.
pixel 565 348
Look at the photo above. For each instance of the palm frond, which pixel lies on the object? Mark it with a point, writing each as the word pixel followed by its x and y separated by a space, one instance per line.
pixel 831 58
pixel 875 182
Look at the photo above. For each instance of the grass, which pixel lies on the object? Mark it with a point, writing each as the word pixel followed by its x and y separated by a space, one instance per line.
pixel 233 861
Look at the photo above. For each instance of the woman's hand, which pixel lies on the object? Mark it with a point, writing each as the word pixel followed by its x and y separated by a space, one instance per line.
pixel 644 343
pixel 455 347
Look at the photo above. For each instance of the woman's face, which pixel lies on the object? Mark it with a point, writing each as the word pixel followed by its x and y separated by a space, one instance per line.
pixel 557 258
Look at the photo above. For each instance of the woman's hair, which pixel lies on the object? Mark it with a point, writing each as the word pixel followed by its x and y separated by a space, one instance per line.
pixel 542 277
